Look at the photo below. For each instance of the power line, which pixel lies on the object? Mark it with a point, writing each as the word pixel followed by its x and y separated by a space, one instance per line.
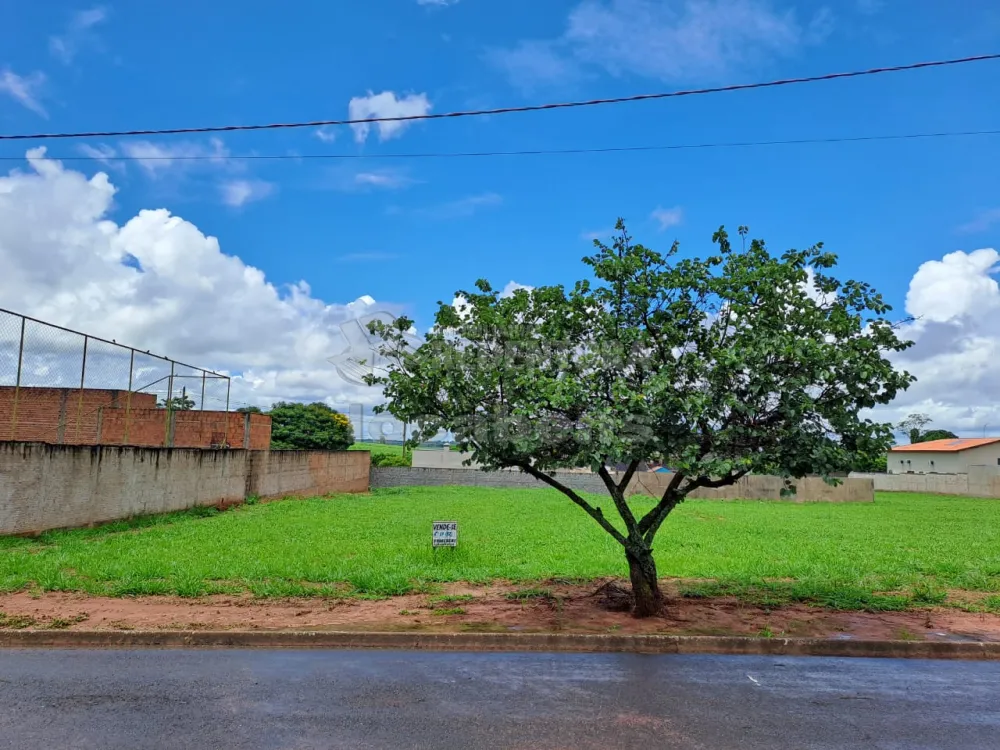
pixel 507 110
pixel 529 152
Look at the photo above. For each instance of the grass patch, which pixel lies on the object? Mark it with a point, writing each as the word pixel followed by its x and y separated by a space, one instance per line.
pixel 523 595
pixel 451 599
pixel 904 550
pixel 61 623
pixel 449 611
pixel 16 622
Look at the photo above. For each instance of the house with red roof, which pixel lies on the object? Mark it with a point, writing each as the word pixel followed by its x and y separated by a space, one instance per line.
pixel 947 456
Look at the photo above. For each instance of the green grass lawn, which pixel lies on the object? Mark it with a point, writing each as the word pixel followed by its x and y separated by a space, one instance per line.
pixel 902 550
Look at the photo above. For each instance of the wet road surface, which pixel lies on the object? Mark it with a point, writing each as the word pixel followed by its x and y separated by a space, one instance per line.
pixel 306 700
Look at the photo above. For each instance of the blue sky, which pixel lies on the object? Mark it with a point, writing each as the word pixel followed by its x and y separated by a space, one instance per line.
pixel 410 232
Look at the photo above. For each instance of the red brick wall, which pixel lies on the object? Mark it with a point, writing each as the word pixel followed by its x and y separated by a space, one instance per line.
pixel 60 415
pixel 98 417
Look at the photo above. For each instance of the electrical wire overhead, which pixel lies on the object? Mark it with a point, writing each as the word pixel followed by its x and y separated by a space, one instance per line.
pixel 526 152
pixel 505 110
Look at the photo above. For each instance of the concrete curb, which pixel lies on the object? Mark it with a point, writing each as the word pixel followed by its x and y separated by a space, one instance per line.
pixel 550 642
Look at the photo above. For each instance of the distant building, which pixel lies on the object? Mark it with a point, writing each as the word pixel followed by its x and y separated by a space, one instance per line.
pixel 948 456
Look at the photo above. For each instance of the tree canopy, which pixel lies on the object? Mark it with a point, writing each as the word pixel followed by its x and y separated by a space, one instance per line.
pixel 182 402
pixel 315 426
pixel 738 362
pixel 936 435
pixel 913 428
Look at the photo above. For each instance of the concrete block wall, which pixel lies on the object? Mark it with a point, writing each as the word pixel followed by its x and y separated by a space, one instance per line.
pixel 809 489
pixel 759 487
pixel 980 481
pixel 46 487
pixel 408 476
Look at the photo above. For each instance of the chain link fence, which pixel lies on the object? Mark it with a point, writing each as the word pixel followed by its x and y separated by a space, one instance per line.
pixel 62 386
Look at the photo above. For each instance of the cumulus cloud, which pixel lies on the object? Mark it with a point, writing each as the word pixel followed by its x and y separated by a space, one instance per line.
pixel 512 286
pixel 667 217
pixel 78 33
pixel 386 104
pixel 669 40
pixel 155 281
pixel 237 193
pixel 955 306
pixel 437 3
pixel 24 89
pixel 327 135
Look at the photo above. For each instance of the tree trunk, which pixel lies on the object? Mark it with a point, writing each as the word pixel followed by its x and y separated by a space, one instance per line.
pixel 642 572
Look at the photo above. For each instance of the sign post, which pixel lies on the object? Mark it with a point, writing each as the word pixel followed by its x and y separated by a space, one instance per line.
pixel 445 534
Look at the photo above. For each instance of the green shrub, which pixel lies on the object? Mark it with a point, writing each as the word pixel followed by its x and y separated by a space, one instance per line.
pixel 390 459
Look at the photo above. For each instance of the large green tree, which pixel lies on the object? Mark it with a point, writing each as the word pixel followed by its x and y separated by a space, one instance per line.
pixel 720 366
pixel 309 427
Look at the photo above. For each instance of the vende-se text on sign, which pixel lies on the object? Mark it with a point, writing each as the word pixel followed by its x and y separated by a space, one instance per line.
pixel 445 534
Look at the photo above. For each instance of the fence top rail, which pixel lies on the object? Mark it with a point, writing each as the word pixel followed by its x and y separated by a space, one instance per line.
pixel 113 343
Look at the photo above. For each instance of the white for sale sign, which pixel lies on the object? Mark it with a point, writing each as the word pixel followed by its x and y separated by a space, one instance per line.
pixel 445 534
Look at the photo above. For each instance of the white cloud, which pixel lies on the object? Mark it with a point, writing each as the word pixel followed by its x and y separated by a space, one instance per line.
pixel 667 217
pixel 385 178
pixel 101 153
pixel 78 33
pixel 386 104
pixel 984 220
pixel 24 89
pixel 157 158
pixel 327 135
pixel 240 192
pixel 870 7
pixel 459 209
pixel 669 40
pixel 437 3
pixel 67 262
pixel 513 286
pixel 955 302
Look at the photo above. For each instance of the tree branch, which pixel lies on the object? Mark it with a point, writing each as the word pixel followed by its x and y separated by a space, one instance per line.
pixel 619 497
pixel 590 510
pixel 627 477
pixel 673 496
pixel 714 484
pixel 653 519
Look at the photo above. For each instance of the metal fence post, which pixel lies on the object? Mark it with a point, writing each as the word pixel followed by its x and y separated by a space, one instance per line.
pixel 128 395
pixel 17 383
pixel 229 384
pixel 169 405
pixel 83 375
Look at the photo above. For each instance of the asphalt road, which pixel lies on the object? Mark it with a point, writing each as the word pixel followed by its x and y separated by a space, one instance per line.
pixel 305 700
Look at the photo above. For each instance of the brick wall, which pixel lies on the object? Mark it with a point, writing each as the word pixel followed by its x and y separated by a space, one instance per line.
pixel 60 486
pixel 57 415
pixel 93 416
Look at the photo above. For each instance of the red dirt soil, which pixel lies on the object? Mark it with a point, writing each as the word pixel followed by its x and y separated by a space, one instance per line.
pixel 569 609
